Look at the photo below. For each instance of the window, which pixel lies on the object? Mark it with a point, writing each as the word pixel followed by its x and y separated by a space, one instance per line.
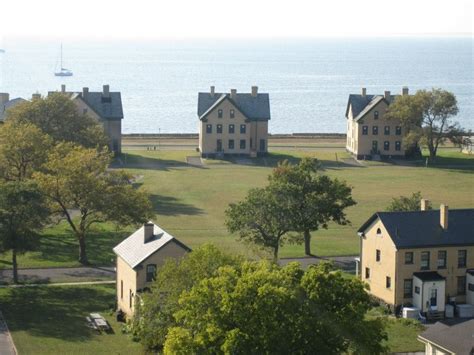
pixel 407 288
pixel 243 129
pixel 219 114
pixel 409 257
pixel 386 130
pixel 242 143
pixel 417 290
pixel 377 255
pixel 386 145
pixel 231 129
pixel 398 131
pixel 388 282
pixel 379 232
pixel 375 130
pixel 232 113
pixel 130 298
pixel 365 130
pixel 376 115
pixel 470 287
pixel 398 146
pixel 461 285
pixel 442 259
pixel 231 144
pixel 425 260
pixel 367 273
pixel 150 272
pixel 219 128
pixel 121 289
pixel 462 256
pixel 208 128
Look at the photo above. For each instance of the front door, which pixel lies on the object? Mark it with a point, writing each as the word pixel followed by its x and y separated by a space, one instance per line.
pixel 219 145
pixel 375 147
pixel 262 145
pixel 434 298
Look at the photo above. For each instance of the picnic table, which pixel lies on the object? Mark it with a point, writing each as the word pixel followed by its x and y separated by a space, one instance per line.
pixel 99 321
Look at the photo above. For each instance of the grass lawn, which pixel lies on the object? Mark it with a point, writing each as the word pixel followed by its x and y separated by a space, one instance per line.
pixel 51 320
pixel 190 201
pixel 402 336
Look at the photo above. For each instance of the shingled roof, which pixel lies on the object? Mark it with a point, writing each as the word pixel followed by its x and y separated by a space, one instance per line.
pixel 417 229
pixel 9 104
pixel 255 108
pixel 134 250
pixel 361 105
pixel 457 338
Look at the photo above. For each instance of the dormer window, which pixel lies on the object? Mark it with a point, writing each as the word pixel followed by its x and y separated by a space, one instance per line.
pixel 376 115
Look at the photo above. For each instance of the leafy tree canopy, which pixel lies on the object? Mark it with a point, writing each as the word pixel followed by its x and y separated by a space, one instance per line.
pixel 406 203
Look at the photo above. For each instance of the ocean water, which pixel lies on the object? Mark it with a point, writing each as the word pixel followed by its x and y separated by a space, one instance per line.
pixel 308 80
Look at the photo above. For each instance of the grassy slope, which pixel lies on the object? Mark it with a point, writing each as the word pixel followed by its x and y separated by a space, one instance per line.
pixel 190 202
pixel 51 320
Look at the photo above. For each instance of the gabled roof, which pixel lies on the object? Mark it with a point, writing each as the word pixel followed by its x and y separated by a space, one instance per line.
pixel 133 250
pixel 9 104
pixel 416 229
pixel 456 338
pixel 254 108
pixel 361 105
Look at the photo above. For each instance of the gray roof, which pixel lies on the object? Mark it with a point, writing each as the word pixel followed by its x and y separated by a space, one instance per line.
pixel 254 108
pixel 361 105
pixel 9 104
pixel 428 276
pixel 133 250
pixel 458 338
pixel 417 229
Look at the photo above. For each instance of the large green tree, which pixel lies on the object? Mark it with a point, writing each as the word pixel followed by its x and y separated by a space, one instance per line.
pixel 260 308
pixel 23 213
pixel 314 199
pixel 79 186
pixel 406 203
pixel 262 218
pixel 58 116
pixel 426 117
pixel 154 316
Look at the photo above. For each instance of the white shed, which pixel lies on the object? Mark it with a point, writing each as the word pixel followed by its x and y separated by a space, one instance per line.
pixel 429 291
pixel 470 286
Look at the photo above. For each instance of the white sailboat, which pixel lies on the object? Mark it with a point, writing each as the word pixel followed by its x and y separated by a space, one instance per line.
pixel 63 71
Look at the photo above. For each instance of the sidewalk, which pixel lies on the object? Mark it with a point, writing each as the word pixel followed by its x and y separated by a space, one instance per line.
pixel 7 347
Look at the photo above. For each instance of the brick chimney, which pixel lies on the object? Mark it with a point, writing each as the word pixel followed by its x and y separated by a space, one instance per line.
pixel 106 91
pixel 405 91
pixel 148 231
pixel 233 93
pixel 4 98
pixel 63 88
pixel 85 92
pixel 387 95
pixel 254 91
pixel 424 204
pixel 364 92
pixel 213 91
pixel 443 216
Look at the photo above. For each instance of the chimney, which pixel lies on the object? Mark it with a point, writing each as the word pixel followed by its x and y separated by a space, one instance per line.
pixel 233 93
pixel 106 91
pixel 424 205
pixel 254 91
pixel 387 95
pixel 405 91
pixel 364 92
pixel 85 92
pixel 4 98
pixel 148 231
pixel 213 91
pixel 443 216
pixel 36 96
pixel 63 88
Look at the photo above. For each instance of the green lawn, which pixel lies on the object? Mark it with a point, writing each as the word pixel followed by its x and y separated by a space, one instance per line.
pixel 190 201
pixel 51 320
pixel 402 335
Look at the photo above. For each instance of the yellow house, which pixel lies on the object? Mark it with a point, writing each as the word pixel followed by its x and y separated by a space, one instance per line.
pixel 233 124
pixel 422 258
pixel 369 134
pixel 138 258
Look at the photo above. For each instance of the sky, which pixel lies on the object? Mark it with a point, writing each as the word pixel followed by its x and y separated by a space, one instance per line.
pixel 170 19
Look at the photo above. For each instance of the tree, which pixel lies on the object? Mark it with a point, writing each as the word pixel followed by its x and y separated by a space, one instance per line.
pixel 262 308
pixel 58 116
pixel 23 213
pixel 76 179
pixel 314 199
pixel 425 117
pixel 404 203
pixel 154 316
pixel 23 149
pixel 261 218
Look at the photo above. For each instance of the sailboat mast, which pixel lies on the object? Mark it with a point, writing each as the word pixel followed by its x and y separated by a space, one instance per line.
pixel 61 56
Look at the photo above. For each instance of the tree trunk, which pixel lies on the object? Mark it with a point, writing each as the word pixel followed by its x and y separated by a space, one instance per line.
pixel 275 253
pixel 82 251
pixel 307 242
pixel 15 267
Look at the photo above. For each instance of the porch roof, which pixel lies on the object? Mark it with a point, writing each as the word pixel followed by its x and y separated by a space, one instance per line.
pixel 428 276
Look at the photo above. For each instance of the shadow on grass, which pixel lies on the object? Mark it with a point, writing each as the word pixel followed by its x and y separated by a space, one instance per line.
pixel 135 161
pixel 170 206
pixel 54 312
